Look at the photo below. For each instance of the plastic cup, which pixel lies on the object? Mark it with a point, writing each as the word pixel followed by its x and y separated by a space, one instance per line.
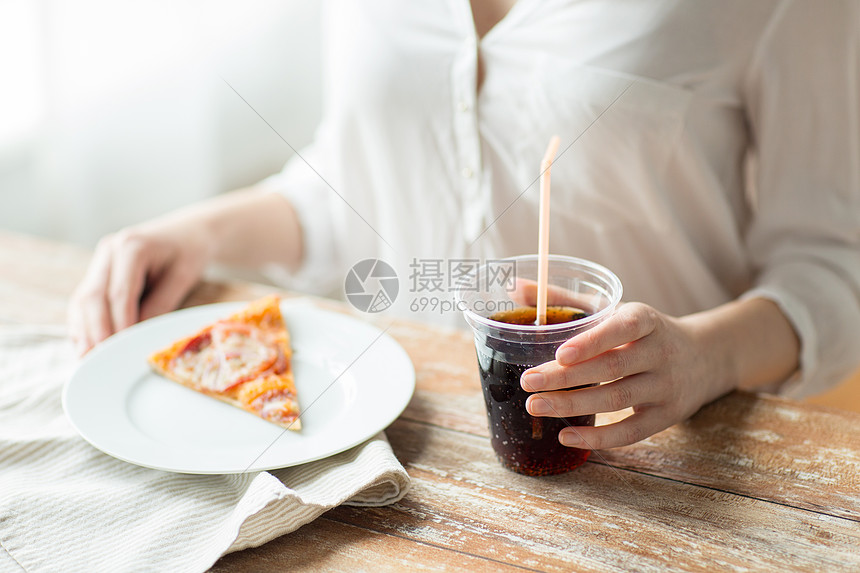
pixel 523 443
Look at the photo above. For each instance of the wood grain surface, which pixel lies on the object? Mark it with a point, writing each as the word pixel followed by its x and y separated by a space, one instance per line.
pixel 750 483
pixel 593 519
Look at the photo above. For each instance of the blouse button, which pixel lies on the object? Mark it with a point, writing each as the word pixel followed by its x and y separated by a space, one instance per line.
pixel 466 172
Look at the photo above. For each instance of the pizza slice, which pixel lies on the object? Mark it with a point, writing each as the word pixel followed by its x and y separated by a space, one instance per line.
pixel 243 360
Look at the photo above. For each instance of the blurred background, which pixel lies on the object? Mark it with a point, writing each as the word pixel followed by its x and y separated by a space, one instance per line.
pixel 114 112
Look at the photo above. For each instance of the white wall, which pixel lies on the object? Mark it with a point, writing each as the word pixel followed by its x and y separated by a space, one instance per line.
pixel 113 112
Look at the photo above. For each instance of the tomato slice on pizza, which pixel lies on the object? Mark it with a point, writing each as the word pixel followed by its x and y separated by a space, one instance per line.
pixel 243 360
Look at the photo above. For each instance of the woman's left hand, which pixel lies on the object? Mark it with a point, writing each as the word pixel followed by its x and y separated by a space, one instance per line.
pixel 662 367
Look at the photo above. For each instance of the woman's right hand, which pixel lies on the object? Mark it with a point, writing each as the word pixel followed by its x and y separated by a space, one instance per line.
pixel 148 269
pixel 137 273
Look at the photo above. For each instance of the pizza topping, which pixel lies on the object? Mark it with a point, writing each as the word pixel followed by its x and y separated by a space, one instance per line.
pixel 277 405
pixel 282 362
pixel 227 355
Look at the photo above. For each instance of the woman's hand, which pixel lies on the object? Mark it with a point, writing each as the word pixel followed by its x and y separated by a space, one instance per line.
pixel 664 368
pixel 150 268
pixel 137 273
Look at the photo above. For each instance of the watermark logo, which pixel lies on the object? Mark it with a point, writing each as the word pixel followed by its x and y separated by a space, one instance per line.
pixel 448 275
pixel 371 285
pixel 433 283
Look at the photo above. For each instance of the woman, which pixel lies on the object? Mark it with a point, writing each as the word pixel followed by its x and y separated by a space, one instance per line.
pixel 710 157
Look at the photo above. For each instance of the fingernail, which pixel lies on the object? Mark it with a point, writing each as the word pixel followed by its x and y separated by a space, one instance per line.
pixel 538 406
pixel 532 381
pixel 569 438
pixel 566 356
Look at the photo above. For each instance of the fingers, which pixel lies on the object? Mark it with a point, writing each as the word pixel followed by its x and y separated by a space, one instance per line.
pixel 89 322
pixel 636 427
pixel 623 361
pixel 108 298
pixel 169 290
pixel 127 279
pixel 617 347
pixel 637 390
pixel 631 322
pixel 89 315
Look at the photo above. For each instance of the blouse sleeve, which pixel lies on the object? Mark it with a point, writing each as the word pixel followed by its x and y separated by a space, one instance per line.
pixel 803 96
pixel 303 183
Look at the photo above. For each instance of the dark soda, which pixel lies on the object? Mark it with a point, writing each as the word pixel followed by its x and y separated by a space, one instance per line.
pixel 523 443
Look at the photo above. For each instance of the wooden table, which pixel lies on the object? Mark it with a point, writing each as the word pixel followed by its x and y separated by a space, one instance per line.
pixel 749 483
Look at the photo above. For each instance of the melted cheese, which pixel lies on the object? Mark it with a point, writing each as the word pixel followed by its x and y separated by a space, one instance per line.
pixel 275 406
pixel 233 353
pixel 278 405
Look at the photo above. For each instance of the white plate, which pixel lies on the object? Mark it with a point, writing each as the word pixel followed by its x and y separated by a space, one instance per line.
pixel 352 379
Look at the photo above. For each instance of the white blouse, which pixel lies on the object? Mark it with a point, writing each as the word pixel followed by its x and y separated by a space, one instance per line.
pixel 714 151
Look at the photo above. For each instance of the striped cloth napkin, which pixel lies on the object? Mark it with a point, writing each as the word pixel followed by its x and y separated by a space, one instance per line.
pixel 65 506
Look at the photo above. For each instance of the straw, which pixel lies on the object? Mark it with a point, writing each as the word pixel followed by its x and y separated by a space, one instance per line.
pixel 543 229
